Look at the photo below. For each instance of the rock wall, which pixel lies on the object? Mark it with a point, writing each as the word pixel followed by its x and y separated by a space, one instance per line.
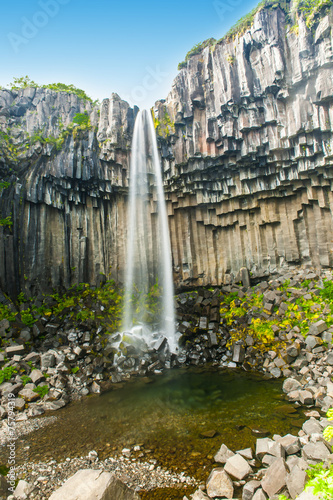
pixel 247 148
pixel 246 142
pixel 66 203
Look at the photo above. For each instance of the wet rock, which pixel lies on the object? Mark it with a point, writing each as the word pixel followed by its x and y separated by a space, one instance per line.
pixel 219 484
pixel 95 388
pixel 237 467
pixel 275 477
pixel 209 434
pixel 223 454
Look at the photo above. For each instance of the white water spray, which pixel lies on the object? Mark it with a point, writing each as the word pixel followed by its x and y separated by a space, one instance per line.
pixel 148 244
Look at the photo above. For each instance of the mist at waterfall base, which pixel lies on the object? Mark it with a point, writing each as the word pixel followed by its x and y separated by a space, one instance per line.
pixel 148 318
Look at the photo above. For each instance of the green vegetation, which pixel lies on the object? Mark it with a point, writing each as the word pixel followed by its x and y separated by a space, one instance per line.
pixel 24 82
pixel 163 126
pixel 25 380
pixel 42 390
pixel 300 313
pixel 311 10
pixel 7 221
pixel 7 373
pixel 196 50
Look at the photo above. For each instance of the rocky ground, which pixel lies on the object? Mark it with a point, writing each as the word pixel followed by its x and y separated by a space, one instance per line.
pixel 282 327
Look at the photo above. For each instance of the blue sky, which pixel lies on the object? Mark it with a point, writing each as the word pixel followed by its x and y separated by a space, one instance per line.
pixel 105 46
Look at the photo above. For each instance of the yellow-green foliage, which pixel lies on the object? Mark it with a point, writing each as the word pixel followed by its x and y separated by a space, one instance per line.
pixel 163 126
pixel 301 312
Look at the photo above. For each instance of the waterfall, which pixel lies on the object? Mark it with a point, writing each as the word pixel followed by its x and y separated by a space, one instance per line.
pixel 149 260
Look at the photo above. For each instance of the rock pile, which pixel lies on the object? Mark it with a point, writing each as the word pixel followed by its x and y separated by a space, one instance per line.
pixel 278 466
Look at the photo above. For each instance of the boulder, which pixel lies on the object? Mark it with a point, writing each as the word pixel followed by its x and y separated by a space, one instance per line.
pixel 13 350
pixel 199 495
pixel 306 397
pixel 312 426
pixel 23 490
pixel 250 489
pixel 275 477
pixel 237 467
pixel 36 376
pixel 219 484
pixel 317 452
pixel 290 384
pixel 290 443
pixel 318 328
pixel 29 395
pixel 223 454
pixel 259 495
pixel 262 447
pixel 296 481
pixel 89 484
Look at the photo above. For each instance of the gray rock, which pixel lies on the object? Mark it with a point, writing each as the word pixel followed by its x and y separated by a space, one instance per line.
pixel 290 443
pixel 247 453
pixel 250 489
pixel 262 446
pixel 317 452
pixel 29 395
pixel 275 372
pixel 23 490
pixel 238 353
pixel 268 460
pixel 13 350
pixel 219 484
pixel 318 328
pixel 237 467
pixel 223 455
pixel 199 495
pixel 306 397
pixel 275 477
pixel 47 360
pixel 311 342
pixel 34 357
pixel 259 495
pixel 290 384
pixel 37 376
pixel 296 481
pixel 92 484
pixel 95 388
pixel 19 404
pixel 312 426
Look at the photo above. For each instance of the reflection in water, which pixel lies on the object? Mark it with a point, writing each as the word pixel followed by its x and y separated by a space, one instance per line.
pixel 168 416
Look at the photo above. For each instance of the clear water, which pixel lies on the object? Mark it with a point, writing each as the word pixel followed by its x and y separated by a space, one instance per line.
pixel 148 242
pixel 169 416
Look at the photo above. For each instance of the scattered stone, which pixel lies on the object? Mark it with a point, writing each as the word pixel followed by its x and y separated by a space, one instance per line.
pixel 318 452
pixel 219 484
pixel 223 455
pixel 290 443
pixel 317 328
pixel 249 489
pixel 275 477
pixel 296 481
pixel 36 376
pixel 92 484
pixel 237 467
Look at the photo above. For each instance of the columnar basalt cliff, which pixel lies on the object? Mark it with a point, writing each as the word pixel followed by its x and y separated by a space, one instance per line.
pixel 247 134
pixel 247 148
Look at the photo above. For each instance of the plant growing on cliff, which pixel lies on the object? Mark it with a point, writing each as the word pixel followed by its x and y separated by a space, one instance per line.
pixel 22 82
pixel 7 373
pixel 42 390
pixel 7 221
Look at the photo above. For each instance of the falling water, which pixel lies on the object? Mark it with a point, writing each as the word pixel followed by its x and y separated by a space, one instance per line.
pixel 148 243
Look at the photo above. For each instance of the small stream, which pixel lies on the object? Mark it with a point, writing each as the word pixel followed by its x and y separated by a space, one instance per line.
pixel 170 416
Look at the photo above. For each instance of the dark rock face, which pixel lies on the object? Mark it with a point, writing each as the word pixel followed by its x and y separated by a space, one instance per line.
pixel 246 143
pixel 248 165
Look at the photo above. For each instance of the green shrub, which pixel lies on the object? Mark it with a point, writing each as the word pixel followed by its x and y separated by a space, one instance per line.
pixel 7 373
pixel 42 390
